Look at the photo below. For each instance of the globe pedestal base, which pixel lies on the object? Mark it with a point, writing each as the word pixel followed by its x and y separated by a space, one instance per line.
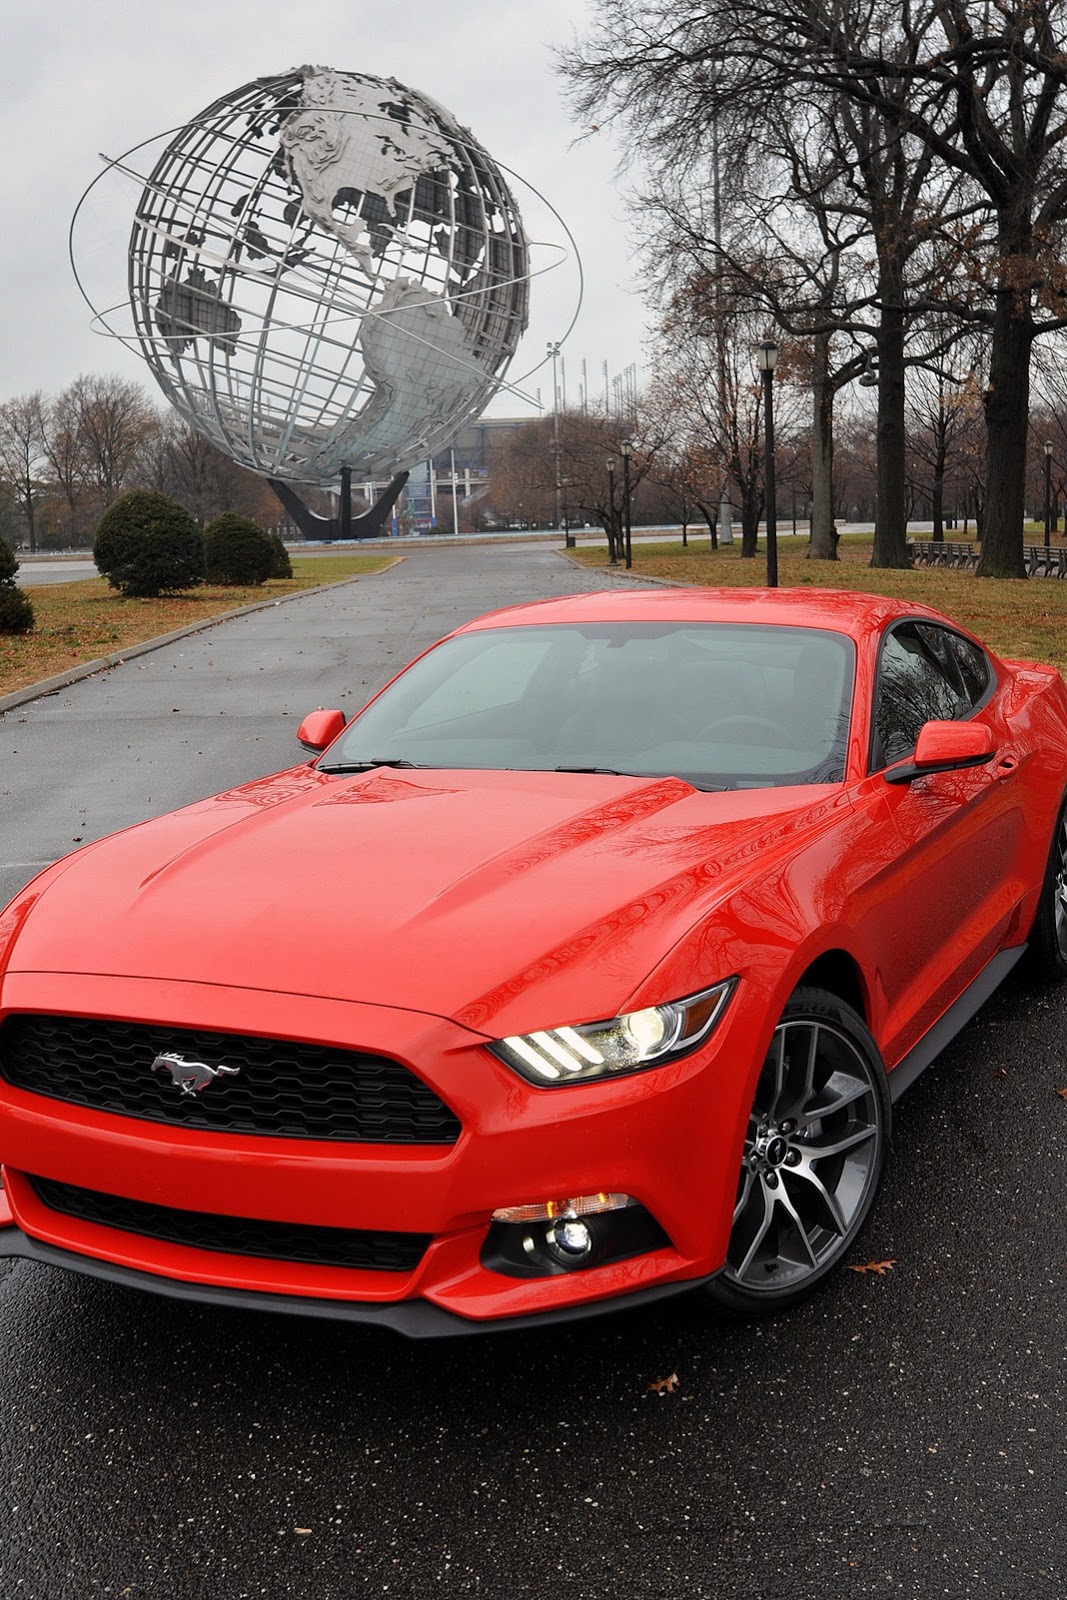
pixel 368 525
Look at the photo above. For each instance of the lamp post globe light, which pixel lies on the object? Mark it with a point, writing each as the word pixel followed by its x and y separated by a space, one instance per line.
pixel 766 361
pixel 613 559
pixel 626 448
pixel 1048 493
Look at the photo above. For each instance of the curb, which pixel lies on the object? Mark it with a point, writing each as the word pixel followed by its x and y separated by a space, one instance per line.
pixel 89 669
pixel 642 578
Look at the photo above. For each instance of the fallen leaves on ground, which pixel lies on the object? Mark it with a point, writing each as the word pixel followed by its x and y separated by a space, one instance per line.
pixel 1061 1092
pixel 662 1386
pixel 880 1267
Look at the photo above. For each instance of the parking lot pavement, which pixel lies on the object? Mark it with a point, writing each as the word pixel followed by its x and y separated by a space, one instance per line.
pixel 901 1435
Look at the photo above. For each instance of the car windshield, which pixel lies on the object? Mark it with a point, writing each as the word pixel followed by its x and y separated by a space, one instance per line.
pixel 721 705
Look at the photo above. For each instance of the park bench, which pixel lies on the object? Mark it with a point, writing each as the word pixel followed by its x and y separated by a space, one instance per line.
pixel 1042 563
pixel 944 553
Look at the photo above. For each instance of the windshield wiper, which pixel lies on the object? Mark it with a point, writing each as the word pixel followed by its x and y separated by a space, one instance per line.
pixel 368 766
pixel 616 772
pixel 612 772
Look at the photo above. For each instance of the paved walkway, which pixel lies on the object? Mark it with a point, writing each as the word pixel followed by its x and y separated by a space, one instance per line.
pixel 223 705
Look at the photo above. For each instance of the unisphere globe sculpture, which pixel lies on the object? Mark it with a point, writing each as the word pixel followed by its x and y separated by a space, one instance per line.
pixel 326 271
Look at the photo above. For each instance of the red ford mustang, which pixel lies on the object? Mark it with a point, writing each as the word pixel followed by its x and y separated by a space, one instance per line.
pixel 582 966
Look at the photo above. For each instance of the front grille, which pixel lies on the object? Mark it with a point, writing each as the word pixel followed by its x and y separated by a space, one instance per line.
pixel 280 1089
pixel 238 1236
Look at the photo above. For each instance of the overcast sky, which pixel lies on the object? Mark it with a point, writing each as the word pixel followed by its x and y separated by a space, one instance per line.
pixel 78 77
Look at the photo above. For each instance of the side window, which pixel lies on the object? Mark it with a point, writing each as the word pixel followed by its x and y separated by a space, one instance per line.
pixel 922 677
pixel 973 665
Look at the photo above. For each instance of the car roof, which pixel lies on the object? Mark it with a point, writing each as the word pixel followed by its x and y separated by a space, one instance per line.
pixel 856 614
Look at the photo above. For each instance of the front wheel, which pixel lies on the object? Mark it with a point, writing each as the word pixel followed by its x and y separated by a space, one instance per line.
pixel 1048 936
pixel 814 1154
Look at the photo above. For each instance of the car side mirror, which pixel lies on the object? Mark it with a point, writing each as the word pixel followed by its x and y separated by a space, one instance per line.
pixel 320 728
pixel 946 747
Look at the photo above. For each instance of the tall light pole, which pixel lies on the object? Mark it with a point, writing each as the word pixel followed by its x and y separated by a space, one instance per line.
pixel 1048 493
pixel 766 361
pixel 613 559
pixel 455 495
pixel 568 536
pixel 553 350
pixel 626 448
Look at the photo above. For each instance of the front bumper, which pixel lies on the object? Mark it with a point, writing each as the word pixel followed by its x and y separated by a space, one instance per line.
pixel 670 1137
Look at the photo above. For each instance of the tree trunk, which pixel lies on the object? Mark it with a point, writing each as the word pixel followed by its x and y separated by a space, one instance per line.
pixel 1007 416
pixel 937 493
pixel 614 532
pixel 823 539
pixel 751 506
pixel 890 512
pixel 710 515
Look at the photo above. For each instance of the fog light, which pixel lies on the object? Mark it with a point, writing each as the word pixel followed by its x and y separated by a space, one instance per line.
pixel 563 1236
pixel 569 1241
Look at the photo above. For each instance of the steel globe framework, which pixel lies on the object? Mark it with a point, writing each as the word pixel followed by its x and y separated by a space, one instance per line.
pixel 327 272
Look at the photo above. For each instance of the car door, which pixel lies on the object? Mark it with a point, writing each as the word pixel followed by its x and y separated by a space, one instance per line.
pixel 957 830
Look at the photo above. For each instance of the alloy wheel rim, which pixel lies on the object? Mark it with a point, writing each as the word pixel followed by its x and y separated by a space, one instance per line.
pixel 1060 890
pixel 811 1159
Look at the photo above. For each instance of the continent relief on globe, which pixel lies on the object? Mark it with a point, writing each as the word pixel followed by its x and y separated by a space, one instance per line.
pixel 410 400
pixel 337 143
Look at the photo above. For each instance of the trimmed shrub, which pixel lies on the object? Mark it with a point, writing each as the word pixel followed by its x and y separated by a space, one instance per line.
pixel 16 612
pixel 237 551
pixel 147 545
pixel 283 567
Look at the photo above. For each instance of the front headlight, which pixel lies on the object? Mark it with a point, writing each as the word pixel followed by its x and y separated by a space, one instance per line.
pixel 628 1043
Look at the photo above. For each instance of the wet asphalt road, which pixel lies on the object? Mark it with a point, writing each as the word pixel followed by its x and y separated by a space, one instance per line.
pixel 901 1435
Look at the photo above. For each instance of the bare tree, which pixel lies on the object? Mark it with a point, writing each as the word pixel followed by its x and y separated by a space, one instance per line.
pixel 22 454
pixel 523 469
pixel 113 420
pixel 980 87
pixel 944 413
pixel 705 361
pixel 182 463
pixel 844 199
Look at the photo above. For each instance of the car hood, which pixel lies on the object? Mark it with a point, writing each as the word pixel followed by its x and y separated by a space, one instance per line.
pixel 504 900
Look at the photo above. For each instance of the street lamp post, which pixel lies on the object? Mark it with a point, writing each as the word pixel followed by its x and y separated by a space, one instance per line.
pixel 626 448
pixel 1048 493
pixel 613 559
pixel 568 536
pixel 766 360
pixel 553 350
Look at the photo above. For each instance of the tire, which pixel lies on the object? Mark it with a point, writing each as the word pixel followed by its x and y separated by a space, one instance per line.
pixel 1047 955
pixel 815 1151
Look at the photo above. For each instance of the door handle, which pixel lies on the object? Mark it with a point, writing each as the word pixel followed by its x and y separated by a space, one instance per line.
pixel 1005 767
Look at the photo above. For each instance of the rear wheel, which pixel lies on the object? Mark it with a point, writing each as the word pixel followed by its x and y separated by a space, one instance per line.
pixel 1048 937
pixel 814 1154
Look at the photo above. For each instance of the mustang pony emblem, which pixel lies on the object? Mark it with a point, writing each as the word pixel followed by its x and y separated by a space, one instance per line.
pixel 191 1077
